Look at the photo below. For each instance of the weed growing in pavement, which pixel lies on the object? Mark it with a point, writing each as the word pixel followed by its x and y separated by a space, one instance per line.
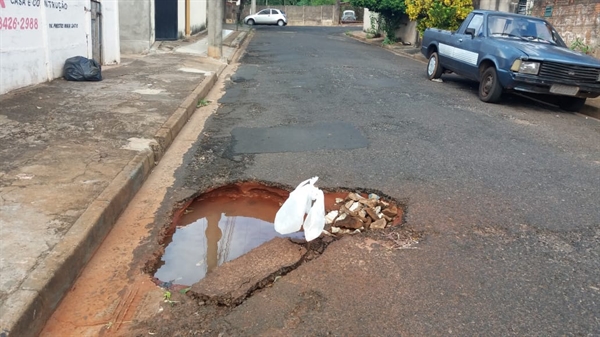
pixel 202 102
pixel 167 297
pixel 387 41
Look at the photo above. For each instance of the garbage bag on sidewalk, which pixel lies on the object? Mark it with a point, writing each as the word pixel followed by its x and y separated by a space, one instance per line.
pixel 79 68
pixel 290 217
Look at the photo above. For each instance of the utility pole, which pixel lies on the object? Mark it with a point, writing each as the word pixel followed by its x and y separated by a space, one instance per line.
pixel 215 28
pixel 253 7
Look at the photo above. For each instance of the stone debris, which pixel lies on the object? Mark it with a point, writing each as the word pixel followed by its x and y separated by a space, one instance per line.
pixel 330 217
pixel 357 213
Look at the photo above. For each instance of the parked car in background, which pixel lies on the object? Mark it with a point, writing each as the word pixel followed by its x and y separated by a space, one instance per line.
pixel 348 16
pixel 269 16
pixel 511 52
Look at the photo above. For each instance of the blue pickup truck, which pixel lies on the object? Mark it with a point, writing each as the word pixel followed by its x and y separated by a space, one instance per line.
pixel 511 52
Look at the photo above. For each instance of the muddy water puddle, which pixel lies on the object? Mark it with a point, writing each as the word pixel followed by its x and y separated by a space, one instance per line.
pixel 220 226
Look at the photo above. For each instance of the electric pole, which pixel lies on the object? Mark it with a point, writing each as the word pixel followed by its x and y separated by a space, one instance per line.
pixel 215 28
pixel 253 7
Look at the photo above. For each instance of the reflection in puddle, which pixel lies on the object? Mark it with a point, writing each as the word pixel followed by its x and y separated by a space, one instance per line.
pixel 216 230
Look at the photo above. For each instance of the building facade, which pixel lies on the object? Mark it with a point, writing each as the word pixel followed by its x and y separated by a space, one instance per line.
pixel 574 20
pixel 37 36
pixel 145 21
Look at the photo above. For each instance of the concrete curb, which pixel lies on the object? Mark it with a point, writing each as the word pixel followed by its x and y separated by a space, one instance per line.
pixel 417 56
pixel 591 110
pixel 27 310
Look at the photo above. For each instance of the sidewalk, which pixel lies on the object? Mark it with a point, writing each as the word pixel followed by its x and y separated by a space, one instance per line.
pixel 72 155
pixel 591 108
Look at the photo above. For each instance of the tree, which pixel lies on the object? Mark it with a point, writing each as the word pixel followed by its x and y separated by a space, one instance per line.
pixel 391 12
pixel 443 14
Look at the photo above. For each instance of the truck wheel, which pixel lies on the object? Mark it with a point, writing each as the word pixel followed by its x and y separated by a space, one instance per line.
pixel 571 104
pixel 490 88
pixel 434 68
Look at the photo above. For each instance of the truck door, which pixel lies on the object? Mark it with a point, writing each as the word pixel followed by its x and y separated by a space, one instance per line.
pixel 467 47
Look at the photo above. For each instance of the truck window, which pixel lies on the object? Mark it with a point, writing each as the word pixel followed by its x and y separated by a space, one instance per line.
pixel 476 23
pixel 463 26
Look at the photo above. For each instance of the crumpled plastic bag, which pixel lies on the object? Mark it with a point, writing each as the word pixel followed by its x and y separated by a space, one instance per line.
pixel 290 217
pixel 79 68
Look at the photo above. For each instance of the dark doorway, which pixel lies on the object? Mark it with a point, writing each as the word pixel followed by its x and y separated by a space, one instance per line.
pixel 165 19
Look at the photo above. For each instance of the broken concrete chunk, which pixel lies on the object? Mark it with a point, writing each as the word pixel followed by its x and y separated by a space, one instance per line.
pixel 349 204
pixel 391 211
pixel 373 196
pixel 355 207
pixel 362 213
pixel 378 210
pixel 341 217
pixel 327 233
pixel 349 222
pixel 335 230
pixel 339 200
pixel 330 217
pixel 371 213
pixel 379 224
pixel 233 281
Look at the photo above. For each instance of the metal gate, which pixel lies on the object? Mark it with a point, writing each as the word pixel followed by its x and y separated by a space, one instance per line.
pixel 165 19
pixel 96 8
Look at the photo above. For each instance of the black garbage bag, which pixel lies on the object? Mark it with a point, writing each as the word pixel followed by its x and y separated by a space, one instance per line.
pixel 80 68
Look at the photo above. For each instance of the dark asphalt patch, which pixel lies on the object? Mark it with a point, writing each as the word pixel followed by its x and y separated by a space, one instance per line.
pixel 300 138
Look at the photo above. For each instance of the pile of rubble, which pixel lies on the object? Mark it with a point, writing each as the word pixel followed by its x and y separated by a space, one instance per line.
pixel 356 213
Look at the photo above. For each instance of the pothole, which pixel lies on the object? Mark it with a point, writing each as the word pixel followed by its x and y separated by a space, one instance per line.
pixel 228 222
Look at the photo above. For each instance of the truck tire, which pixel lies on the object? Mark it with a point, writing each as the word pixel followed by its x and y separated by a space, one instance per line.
pixel 490 88
pixel 434 68
pixel 571 104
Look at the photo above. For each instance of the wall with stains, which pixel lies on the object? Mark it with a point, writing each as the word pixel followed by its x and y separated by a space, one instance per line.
pixel 37 36
pixel 198 11
pixel 573 19
pixel 495 5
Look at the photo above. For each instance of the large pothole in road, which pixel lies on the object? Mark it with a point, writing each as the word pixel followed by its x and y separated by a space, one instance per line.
pixel 235 223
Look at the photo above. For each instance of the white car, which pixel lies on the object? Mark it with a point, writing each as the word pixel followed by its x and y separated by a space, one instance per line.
pixel 269 16
pixel 348 16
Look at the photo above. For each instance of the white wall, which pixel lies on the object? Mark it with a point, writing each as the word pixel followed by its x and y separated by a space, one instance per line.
pixel 367 20
pixel 496 5
pixel 136 25
pixel 197 16
pixel 406 33
pixel 42 34
pixel 181 18
pixel 23 52
pixel 111 49
pixel 67 28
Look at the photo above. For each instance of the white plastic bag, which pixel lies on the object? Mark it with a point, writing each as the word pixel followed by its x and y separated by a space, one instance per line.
pixel 315 221
pixel 290 217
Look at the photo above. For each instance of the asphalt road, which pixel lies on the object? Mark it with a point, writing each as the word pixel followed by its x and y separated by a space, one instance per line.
pixel 506 196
